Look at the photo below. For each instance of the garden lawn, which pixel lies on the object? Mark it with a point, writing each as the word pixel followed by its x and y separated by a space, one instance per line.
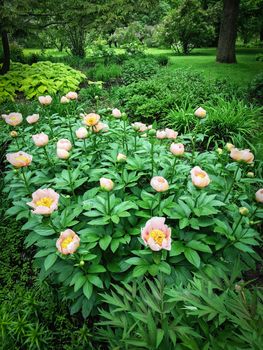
pixel 203 60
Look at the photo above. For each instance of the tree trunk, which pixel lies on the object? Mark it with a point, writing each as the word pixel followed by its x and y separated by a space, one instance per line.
pixel 226 50
pixel 6 53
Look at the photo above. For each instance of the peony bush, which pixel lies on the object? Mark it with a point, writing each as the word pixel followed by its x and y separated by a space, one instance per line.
pixel 104 201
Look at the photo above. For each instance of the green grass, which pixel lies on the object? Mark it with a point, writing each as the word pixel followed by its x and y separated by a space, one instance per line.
pixel 201 60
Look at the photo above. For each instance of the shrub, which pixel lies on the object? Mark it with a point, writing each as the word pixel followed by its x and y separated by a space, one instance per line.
pixel 255 91
pixel 101 72
pixel 206 224
pixel 134 48
pixel 39 79
pixel 135 69
pixel 155 97
pixel 162 60
pixel 16 53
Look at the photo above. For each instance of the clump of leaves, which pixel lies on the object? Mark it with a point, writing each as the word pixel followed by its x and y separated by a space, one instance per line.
pixel 39 79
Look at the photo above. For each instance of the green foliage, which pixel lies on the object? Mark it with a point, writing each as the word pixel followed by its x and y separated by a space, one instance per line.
pixel 156 97
pixel 134 48
pixel 186 26
pixel 213 311
pixel 105 73
pixel 225 119
pixel 137 69
pixel 39 79
pixel 255 91
pixel 206 224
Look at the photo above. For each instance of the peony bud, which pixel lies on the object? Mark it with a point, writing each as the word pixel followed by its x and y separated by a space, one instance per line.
pixel 106 184
pixel 250 174
pixel 243 211
pixel 152 132
pixel 219 150
pixel 13 134
pixel 121 158
pixel 62 153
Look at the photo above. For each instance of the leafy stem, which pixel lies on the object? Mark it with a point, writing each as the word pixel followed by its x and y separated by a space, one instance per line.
pixel 231 185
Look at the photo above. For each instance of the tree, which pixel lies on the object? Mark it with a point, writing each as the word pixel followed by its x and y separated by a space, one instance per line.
pixel 186 26
pixel 226 50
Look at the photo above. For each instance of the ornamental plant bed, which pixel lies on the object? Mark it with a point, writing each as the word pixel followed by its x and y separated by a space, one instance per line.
pixel 104 201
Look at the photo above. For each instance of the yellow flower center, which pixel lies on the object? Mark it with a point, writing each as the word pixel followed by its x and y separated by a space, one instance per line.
pixel 158 236
pixel 13 118
pixel 22 158
pixel 202 175
pixel 66 242
pixel 91 120
pixel 45 202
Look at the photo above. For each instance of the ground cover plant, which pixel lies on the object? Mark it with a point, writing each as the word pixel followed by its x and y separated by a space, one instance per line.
pixel 37 79
pixel 140 202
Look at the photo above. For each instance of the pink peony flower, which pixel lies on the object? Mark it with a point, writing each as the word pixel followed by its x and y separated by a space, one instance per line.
pixel 31 119
pixel 64 144
pixel 259 196
pixel 161 134
pixel 199 177
pixel 116 113
pixel 121 158
pixel 138 126
pixel 44 201
pixel 156 234
pixel 171 134
pixel 177 149
pixel 64 100
pixel 68 242
pixel 106 184
pixel 100 127
pixel 72 95
pixel 159 184
pixel 81 133
pixel 91 119
pixel 13 119
pixel 19 159
pixel 45 100
pixel 40 140
pixel 242 155
pixel 200 112
pixel 62 153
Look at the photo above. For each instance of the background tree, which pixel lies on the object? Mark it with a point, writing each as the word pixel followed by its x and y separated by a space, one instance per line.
pixel 186 26
pixel 226 50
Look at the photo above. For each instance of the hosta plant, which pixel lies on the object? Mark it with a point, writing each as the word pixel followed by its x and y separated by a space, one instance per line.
pixel 38 79
pixel 103 200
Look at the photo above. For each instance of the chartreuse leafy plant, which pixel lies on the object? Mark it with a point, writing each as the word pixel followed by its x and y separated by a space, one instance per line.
pixel 104 201
pixel 215 310
pixel 38 79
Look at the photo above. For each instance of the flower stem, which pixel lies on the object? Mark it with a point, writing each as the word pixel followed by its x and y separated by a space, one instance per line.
pixel 85 146
pixel 135 142
pixel 25 180
pixel 159 204
pixel 232 183
pixel 70 178
pixel 175 160
pixel 48 159
pixel 238 223
pixel 108 200
pixel 152 155
pixel 124 140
